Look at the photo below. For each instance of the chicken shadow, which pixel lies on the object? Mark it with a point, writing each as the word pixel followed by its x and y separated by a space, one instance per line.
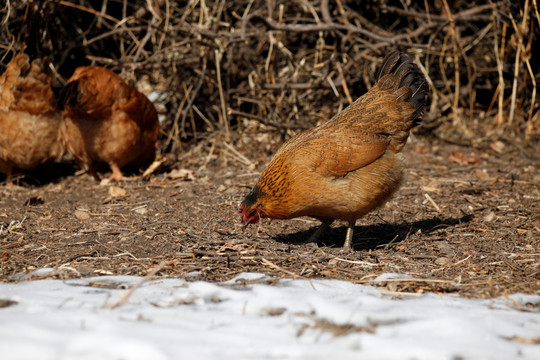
pixel 43 174
pixel 53 173
pixel 371 237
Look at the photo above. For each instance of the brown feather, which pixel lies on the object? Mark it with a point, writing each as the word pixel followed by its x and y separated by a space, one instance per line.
pixel 29 118
pixel 108 121
pixel 350 165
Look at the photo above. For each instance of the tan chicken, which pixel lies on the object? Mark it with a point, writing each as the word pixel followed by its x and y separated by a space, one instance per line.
pixel 349 165
pixel 29 117
pixel 106 121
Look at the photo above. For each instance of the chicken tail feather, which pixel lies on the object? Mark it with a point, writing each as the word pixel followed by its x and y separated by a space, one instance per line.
pixel 70 93
pixel 406 74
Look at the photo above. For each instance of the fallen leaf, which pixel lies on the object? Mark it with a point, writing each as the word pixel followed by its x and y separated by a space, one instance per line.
pixel 81 215
pixel 459 158
pixel 273 311
pixel 401 248
pixel 490 216
pixel 105 182
pixel 116 191
pixel 141 210
pixel 497 146
pixel 6 255
pixel 481 174
pixel 230 245
pixel 182 174
pixel 442 260
pixel 172 263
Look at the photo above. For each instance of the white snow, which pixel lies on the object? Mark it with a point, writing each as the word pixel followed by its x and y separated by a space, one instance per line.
pixel 175 319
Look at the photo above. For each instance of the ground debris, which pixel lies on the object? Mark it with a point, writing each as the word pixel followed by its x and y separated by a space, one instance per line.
pixel 481 243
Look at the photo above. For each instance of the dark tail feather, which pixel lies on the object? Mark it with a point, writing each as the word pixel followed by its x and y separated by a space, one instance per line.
pixel 69 94
pixel 406 74
pixel 388 64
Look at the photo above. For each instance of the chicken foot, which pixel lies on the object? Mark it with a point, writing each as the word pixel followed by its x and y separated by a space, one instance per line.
pixel 321 230
pixel 116 172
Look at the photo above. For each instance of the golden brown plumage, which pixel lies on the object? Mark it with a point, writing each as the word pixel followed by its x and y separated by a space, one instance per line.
pixel 29 117
pixel 108 121
pixel 349 165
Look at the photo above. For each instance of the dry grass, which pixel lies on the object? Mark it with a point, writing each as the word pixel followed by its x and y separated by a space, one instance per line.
pixel 481 240
pixel 228 68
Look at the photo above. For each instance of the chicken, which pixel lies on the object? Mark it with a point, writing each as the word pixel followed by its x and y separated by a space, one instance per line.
pixel 350 165
pixel 29 117
pixel 106 121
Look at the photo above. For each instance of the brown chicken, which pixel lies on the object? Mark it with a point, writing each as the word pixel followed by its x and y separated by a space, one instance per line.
pixel 106 121
pixel 29 117
pixel 349 165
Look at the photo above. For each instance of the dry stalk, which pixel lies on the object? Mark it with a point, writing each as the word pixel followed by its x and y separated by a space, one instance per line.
pixel 236 154
pixel 430 199
pixel 225 121
pixel 499 57
pixel 193 96
pixel 133 288
pixel 89 10
pixel 442 67
pixel 344 84
pixel 517 63
pixel 527 56
pixel 304 28
pixel 290 273
pixel 536 12
pixel 8 13
pixel 280 63
pixel 457 76
pixel 175 132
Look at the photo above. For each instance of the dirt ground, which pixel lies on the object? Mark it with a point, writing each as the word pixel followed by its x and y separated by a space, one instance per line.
pixel 467 220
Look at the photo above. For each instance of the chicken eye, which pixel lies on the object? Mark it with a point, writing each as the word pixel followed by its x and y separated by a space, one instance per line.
pixel 253 213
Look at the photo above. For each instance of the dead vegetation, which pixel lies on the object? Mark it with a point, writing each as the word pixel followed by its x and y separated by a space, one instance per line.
pixel 239 67
pixel 478 236
pixel 231 80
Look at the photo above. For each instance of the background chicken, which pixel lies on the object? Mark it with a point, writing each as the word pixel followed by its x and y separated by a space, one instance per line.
pixel 108 121
pixel 349 165
pixel 29 117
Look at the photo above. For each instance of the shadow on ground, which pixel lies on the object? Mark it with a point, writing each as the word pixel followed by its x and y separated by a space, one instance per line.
pixel 375 236
pixel 43 175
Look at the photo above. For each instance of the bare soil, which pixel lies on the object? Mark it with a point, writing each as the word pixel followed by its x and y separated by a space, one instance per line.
pixel 467 221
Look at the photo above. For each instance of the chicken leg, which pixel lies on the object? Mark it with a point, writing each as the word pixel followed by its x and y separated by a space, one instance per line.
pixel 321 230
pixel 347 246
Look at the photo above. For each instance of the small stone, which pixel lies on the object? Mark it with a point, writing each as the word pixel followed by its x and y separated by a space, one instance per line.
pixel 81 215
pixel 442 260
pixel 141 210
pixel 489 217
